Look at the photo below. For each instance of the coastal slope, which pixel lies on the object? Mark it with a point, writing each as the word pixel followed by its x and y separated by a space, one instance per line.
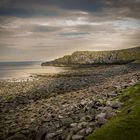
pixel 126 124
pixel 98 57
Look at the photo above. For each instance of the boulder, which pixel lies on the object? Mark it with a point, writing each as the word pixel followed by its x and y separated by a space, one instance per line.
pixel 116 104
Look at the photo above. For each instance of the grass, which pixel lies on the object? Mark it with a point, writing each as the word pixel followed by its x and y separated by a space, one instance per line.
pixel 126 125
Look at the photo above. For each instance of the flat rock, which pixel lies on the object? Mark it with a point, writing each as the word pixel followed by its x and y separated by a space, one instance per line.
pixel 77 137
pixel 73 124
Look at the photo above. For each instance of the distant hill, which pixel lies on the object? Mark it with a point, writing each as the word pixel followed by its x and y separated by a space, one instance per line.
pixel 98 57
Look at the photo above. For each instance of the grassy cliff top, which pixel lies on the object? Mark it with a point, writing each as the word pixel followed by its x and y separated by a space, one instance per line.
pixel 99 57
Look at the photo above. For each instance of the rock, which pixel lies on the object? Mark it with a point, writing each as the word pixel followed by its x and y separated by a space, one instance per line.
pixel 86 118
pixel 83 119
pixel 60 117
pixel 101 101
pixel 82 124
pixel 101 121
pixel 74 130
pixel 89 105
pixel 59 131
pixel 17 136
pixel 58 124
pixel 50 136
pixel 69 137
pixel 98 103
pixel 67 122
pixel 73 124
pixel 109 112
pixel 107 109
pixel 77 137
pixel 118 87
pixel 110 115
pixel 116 104
pixel 108 103
pixel 113 94
pixel 41 133
pixel 93 124
pixel 81 132
pixel 89 130
pixel 101 118
pixel 83 102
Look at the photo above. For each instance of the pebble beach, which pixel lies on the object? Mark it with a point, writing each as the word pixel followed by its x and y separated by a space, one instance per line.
pixel 65 106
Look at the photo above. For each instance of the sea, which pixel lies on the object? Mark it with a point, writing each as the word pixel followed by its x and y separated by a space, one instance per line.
pixel 24 69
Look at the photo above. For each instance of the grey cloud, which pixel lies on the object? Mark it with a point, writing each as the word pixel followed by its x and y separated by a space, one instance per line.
pixel 125 8
pixel 56 8
pixel 35 7
pixel 51 28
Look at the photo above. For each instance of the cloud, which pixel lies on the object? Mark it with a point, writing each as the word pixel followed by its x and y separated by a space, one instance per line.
pixel 46 7
pixel 29 8
pixel 41 29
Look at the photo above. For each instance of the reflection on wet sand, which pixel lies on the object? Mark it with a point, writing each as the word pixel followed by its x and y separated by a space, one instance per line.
pixel 20 71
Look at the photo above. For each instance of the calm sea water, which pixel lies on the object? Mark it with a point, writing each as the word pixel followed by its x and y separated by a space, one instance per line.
pixel 9 70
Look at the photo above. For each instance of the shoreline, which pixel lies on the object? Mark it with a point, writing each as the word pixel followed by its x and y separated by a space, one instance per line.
pixel 57 104
pixel 22 79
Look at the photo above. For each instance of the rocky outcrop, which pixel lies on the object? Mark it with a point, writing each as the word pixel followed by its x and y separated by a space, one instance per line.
pixel 98 57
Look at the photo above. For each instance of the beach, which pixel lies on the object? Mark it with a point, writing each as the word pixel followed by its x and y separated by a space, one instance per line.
pixel 63 106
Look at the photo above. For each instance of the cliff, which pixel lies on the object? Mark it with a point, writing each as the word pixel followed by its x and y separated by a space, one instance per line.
pixel 98 57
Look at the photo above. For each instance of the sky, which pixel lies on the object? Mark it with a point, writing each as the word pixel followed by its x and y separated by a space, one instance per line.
pixel 48 29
